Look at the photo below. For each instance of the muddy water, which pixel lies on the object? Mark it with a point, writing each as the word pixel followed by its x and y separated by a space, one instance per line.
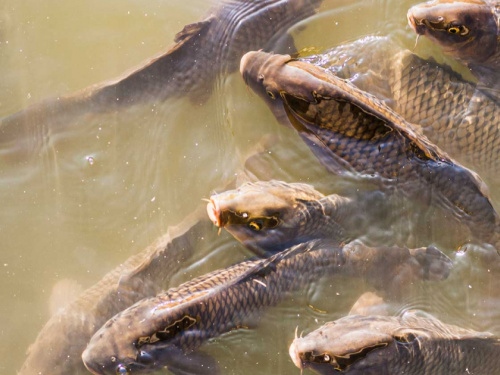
pixel 101 188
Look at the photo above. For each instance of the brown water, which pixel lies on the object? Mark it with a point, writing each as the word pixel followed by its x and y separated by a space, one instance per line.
pixel 105 186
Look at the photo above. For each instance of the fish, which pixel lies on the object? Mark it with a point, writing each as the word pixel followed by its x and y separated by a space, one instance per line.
pixel 269 216
pixel 202 52
pixel 468 30
pixel 355 135
pixel 450 110
pixel 58 347
pixel 413 343
pixel 166 330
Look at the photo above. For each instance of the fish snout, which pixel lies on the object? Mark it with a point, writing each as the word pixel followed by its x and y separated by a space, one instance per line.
pixel 104 355
pixel 104 367
pixel 415 22
pixel 90 364
pixel 294 355
pixel 245 61
pixel 214 213
pixel 411 20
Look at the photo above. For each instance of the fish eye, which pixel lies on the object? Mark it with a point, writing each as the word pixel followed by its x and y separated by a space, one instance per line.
pixel 460 29
pixel 270 94
pixel 322 358
pixel 255 225
pixel 122 369
pixel 325 358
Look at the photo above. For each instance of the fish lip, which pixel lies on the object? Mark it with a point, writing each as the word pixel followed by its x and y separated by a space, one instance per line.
pixel 243 63
pixel 89 365
pixel 214 212
pixel 411 20
pixel 295 356
pixel 417 25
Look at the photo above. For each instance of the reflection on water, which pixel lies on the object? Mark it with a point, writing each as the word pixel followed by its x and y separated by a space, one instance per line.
pixel 81 200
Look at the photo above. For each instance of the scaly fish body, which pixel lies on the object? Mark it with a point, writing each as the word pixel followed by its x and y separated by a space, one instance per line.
pixel 155 332
pixel 351 132
pixel 463 121
pixel 59 346
pixel 410 344
pixel 202 52
pixel 451 111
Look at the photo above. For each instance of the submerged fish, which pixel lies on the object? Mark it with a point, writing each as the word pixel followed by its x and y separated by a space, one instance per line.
pixel 202 52
pixel 59 346
pixel 353 133
pixel 462 120
pixel 410 344
pixel 165 330
pixel 467 30
pixel 269 216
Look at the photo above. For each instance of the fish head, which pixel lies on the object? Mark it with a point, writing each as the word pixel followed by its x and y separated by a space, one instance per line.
pixel 354 345
pixel 108 352
pixel 464 29
pixel 278 79
pixel 140 339
pixel 298 93
pixel 266 216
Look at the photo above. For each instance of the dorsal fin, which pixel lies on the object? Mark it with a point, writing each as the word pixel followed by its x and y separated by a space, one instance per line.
pixel 193 29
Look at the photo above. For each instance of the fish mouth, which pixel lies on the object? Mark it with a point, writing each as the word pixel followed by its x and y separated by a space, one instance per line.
pixel 94 368
pixel 295 356
pixel 411 20
pixel 339 363
pixel 417 25
pixel 420 21
pixel 214 212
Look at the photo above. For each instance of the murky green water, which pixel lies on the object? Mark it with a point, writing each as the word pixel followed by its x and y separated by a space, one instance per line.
pixel 103 187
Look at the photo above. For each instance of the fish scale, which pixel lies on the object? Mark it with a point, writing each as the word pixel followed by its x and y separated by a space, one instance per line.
pixel 307 98
pixel 202 53
pixel 457 116
pixel 452 112
pixel 142 275
pixel 238 298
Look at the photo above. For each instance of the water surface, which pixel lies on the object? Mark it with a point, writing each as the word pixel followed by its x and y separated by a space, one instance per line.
pixel 103 187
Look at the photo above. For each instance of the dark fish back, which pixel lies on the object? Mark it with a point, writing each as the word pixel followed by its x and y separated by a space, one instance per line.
pixel 59 345
pixel 350 129
pixel 184 317
pixel 452 112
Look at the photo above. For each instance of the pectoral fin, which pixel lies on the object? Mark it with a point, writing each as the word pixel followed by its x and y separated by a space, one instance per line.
pixel 368 304
pixel 63 293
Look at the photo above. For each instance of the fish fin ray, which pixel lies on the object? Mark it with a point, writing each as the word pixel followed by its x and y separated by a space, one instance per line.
pixel 193 29
pixel 63 293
